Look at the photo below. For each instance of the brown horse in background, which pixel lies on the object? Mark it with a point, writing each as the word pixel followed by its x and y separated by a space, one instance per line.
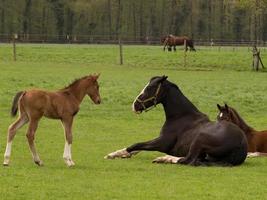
pixel 172 41
pixel 257 140
pixel 62 104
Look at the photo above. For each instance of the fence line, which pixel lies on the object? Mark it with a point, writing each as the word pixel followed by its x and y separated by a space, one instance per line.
pixel 113 39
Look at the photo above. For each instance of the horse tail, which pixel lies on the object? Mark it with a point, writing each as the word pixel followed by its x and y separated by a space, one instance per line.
pixel 190 43
pixel 14 108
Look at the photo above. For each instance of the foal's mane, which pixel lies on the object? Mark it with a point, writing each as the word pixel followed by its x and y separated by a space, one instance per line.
pixel 242 124
pixel 75 81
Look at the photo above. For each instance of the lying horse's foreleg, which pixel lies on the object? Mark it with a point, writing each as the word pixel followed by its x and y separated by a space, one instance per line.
pixel 157 144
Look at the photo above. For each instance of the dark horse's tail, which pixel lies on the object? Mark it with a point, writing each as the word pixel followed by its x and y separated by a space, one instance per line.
pixel 190 43
pixel 14 108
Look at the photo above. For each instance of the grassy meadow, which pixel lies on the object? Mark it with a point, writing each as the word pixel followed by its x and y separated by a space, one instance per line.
pixel 211 76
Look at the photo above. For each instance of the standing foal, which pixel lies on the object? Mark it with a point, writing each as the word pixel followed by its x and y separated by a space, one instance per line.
pixel 62 104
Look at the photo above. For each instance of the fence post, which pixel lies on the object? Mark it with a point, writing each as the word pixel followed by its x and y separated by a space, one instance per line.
pixel 121 53
pixel 15 36
pixel 185 50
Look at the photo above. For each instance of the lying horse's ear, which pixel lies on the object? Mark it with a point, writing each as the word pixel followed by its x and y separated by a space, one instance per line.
pixel 219 107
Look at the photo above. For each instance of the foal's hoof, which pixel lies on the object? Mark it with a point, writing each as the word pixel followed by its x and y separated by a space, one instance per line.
pixel 69 162
pixel 6 162
pixel 39 163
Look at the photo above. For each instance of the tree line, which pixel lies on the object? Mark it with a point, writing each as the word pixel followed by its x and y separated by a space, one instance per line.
pixel 237 20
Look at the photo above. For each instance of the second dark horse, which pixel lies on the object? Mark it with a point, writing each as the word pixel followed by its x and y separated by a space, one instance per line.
pixel 187 132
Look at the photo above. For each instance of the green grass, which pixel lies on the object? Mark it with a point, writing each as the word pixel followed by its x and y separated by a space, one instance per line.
pixel 211 77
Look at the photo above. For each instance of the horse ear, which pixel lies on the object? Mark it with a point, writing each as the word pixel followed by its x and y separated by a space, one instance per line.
pixel 163 78
pixel 226 106
pixel 95 77
pixel 219 107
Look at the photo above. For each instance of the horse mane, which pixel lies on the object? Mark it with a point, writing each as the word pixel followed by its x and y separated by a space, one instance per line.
pixel 75 81
pixel 239 120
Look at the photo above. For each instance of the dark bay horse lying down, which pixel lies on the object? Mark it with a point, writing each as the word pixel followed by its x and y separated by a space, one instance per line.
pixel 62 104
pixel 172 41
pixel 257 140
pixel 187 132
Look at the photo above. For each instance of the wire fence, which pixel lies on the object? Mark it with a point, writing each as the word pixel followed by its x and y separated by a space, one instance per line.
pixel 114 39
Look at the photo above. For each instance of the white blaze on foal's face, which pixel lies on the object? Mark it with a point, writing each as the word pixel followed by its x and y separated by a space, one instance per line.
pixel 142 92
pixel 221 115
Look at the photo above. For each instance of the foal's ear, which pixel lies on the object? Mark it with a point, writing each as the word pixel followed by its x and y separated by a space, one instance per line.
pixel 163 78
pixel 95 77
pixel 219 107
pixel 226 106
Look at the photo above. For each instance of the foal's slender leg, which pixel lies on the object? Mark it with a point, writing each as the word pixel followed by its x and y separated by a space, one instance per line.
pixel 23 119
pixel 30 136
pixel 67 124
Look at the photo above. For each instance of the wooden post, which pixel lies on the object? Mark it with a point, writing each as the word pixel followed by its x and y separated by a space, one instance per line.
pixel 121 53
pixel 185 50
pixel 256 59
pixel 15 36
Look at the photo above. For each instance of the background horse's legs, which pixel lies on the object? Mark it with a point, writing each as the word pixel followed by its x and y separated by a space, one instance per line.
pixel 67 124
pixel 30 136
pixel 23 119
pixel 174 48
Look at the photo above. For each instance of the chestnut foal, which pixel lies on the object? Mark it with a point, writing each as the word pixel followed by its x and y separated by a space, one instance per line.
pixel 62 104
pixel 257 140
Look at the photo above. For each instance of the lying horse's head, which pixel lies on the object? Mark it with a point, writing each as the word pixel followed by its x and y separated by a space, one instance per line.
pixel 150 96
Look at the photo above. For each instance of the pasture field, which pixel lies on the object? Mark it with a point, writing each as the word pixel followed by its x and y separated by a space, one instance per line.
pixel 211 77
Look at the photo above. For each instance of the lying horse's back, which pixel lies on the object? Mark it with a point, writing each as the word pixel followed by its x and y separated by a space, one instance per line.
pixel 225 142
pixel 213 143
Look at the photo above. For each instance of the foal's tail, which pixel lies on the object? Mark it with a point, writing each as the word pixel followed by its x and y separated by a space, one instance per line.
pixel 14 108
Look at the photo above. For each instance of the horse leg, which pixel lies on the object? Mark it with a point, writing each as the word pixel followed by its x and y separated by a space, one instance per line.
pixel 30 136
pixel 158 144
pixel 67 124
pixel 174 48
pixel 194 155
pixel 23 119
pixel 167 159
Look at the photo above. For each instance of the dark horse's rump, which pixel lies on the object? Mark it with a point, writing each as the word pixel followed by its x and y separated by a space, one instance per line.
pixel 173 41
pixel 187 132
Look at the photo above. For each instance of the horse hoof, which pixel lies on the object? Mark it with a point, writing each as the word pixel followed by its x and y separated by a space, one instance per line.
pixel 6 162
pixel 69 162
pixel 167 159
pixel 39 163
pixel 109 157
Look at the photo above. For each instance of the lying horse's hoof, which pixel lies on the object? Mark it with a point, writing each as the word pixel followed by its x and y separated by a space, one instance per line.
pixel 122 153
pixel 167 159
